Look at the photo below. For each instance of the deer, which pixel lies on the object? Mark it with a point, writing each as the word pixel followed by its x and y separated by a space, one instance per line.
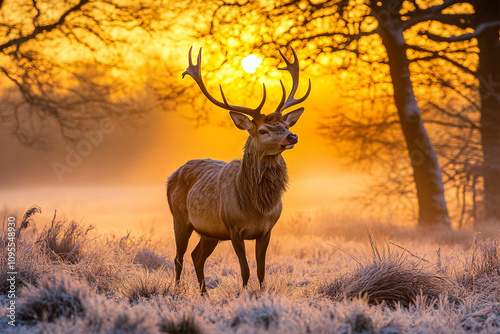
pixel 239 200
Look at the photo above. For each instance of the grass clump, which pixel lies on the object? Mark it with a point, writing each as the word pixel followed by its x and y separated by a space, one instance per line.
pixel 356 318
pixel 147 285
pixel 29 266
pixel 54 298
pixel 186 324
pixel 144 251
pixel 386 275
pixel 481 269
pixel 265 314
pixel 104 268
pixel 132 323
pixel 64 241
pixel 149 259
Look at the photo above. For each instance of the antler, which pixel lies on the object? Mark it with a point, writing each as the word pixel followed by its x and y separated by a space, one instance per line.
pixel 195 72
pixel 293 68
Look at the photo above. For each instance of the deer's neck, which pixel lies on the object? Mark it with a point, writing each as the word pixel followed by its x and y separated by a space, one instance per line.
pixel 262 180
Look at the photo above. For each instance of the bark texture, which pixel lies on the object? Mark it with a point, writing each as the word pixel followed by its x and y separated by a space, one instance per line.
pixel 489 85
pixel 426 170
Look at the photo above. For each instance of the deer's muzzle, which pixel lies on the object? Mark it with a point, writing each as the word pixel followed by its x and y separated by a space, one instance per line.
pixel 292 138
pixel 289 141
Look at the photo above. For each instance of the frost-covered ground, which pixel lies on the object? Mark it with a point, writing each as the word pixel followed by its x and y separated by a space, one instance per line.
pixel 324 275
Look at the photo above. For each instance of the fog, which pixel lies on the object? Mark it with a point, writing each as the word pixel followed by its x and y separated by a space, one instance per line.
pixel 118 181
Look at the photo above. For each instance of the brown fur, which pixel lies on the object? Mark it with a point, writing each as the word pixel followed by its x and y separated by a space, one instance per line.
pixel 240 200
pixel 261 182
pixel 237 201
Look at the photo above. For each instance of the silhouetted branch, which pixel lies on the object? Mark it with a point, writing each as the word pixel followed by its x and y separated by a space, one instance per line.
pixel 74 93
pixel 429 13
pixel 440 55
pixel 463 37
pixel 43 28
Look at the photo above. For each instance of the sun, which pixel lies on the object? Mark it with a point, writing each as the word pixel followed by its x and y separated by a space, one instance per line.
pixel 250 63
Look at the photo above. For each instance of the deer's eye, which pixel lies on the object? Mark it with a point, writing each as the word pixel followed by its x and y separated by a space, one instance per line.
pixel 262 132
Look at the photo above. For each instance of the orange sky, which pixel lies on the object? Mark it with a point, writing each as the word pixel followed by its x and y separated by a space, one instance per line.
pixel 120 184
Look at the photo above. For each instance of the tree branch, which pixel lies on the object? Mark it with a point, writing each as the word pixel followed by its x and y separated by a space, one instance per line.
pixel 35 19
pixel 464 37
pixel 422 15
pixel 45 28
pixel 461 21
pixel 471 124
pixel 440 55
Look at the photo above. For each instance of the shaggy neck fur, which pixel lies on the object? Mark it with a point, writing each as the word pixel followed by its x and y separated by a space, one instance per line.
pixel 262 180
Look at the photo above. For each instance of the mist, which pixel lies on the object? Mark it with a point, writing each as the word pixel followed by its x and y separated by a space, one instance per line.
pixel 114 177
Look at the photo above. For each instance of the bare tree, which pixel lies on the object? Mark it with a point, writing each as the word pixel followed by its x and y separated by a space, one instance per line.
pixel 460 71
pixel 484 19
pixel 41 78
pixel 488 74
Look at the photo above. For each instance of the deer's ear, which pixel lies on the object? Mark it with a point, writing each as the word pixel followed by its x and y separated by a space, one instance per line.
pixel 293 116
pixel 241 121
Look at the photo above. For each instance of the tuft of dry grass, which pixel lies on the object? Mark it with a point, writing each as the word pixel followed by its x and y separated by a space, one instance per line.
pixel 358 320
pixel 30 265
pixel 186 324
pixel 145 251
pixel 64 242
pixel 53 299
pixel 132 323
pixel 146 285
pixel 481 268
pixel 264 313
pixel 104 267
pixel 149 259
pixel 388 275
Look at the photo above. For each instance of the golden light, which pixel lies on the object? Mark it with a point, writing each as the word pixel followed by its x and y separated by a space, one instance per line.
pixel 250 63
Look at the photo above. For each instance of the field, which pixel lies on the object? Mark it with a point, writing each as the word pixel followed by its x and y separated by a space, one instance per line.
pixel 324 274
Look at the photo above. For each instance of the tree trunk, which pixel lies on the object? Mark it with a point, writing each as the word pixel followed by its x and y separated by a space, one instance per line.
pixel 489 87
pixel 426 170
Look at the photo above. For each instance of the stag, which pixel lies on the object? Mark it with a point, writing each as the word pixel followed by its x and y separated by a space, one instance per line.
pixel 239 200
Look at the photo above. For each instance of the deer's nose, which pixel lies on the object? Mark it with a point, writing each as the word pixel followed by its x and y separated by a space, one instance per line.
pixel 292 138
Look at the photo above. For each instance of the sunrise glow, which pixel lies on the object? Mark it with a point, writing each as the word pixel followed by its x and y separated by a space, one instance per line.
pixel 250 63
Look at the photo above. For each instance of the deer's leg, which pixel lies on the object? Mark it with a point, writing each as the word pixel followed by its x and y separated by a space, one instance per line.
pixel 239 248
pixel 200 254
pixel 183 231
pixel 260 255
